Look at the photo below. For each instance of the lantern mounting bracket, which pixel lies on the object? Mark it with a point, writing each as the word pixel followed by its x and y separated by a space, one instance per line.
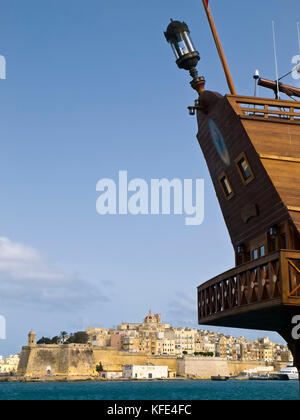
pixel 195 108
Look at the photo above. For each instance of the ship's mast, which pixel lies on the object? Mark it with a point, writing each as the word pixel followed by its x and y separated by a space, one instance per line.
pixel 219 47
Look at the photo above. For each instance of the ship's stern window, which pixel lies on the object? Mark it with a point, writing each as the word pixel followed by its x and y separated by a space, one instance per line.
pixel 226 186
pixel 255 254
pixel 258 252
pixel 244 169
pixel 262 251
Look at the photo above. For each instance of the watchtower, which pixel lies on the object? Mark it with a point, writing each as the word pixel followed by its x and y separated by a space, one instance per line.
pixel 31 339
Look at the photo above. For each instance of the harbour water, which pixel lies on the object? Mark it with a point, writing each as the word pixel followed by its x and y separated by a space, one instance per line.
pixel 158 390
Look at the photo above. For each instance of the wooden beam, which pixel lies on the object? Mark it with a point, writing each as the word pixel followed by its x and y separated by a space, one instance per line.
pixel 291 208
pixel 280 158
pixel 219 48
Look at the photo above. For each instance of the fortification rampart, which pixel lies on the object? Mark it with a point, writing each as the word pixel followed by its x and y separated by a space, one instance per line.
pixel 114 360
pixel 80 360
pixel 47 360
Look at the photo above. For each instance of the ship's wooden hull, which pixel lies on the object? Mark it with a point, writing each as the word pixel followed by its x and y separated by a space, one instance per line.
pixel 252 149
pixel 272 148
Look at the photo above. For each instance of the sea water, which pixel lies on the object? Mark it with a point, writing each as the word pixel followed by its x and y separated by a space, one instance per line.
pixel 156 390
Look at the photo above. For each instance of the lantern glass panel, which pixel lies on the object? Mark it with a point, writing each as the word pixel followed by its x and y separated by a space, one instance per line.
pixel 182 45
pixel 175 51
pixel 188 42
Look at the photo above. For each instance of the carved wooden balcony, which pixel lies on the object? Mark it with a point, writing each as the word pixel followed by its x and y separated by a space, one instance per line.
pixel 263 294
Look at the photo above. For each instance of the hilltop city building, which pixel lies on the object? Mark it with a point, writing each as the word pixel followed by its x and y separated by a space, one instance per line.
pixel 153 337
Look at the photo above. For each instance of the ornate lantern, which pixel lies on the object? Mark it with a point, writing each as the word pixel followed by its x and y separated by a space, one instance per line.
pixel 187 57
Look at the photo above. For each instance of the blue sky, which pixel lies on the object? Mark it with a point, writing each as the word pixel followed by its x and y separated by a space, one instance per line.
pixel 92 89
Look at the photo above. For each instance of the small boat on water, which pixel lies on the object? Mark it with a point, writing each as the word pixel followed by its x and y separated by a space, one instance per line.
pixel 220 378
pixel 289 373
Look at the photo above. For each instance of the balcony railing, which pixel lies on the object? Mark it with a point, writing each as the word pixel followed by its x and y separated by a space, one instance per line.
pixel 275 277
pixel 266 109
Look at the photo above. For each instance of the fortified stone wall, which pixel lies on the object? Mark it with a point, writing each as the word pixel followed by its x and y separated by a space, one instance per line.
pixel 68 360
pixel 238 367
pixel 202 368
pixel 23 363
pixel 82 359
pixel 207 367
pixel 114 360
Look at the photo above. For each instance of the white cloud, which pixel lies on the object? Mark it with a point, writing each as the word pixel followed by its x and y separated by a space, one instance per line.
pixel 25 276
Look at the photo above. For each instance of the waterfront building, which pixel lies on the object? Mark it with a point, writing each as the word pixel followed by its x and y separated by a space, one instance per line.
pixel 10 364
pixel 111 375
pixel 145 372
